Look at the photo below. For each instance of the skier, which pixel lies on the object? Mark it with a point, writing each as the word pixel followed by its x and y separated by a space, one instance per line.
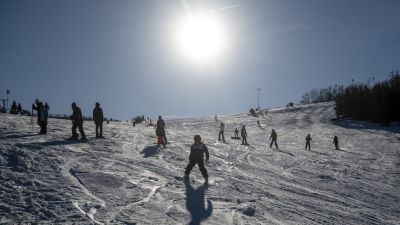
pixel 273 138
pixel 236 133
pixel 243 133
pixel 196 156
pixel 46 106
pixel 308 142
pixel 336 142
pixel 160 130
pixel 221 132
pixel 98 120
pixel 77 122
pixel 216 118
pixel 258 123
pixel 43 116
pixel 38 106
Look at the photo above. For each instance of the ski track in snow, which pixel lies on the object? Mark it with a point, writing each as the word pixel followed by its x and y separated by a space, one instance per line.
pixel 126 179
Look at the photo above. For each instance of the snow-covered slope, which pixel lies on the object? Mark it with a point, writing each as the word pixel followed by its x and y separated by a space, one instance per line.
pixel 124 179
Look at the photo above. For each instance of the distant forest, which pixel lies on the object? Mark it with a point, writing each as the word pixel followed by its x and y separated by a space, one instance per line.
pixel 378 102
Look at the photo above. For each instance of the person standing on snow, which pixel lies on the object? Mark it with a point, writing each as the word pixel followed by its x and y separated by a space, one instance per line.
pixel 236 133
pixel 38 106
pixel 77 122
pixel 19 108
pixel 197 151
pixel 273 138
pixel 336 142
pixel 308 142
pixel 160 129
pixel 43 117
pixel 221 132
pixel 243 133
pixel 98 120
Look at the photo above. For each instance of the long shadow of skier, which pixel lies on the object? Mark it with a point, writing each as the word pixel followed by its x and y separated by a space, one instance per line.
pixel 195 203
pixel 150 151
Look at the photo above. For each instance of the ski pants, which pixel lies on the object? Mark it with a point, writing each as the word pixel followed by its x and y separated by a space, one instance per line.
pixel 244 140
pixel 221 133
pixel 337 146
pixel 80 127
pixel 273 142
pixel 99 126
pixel 43 127
pixel 308 145
pixel 192 163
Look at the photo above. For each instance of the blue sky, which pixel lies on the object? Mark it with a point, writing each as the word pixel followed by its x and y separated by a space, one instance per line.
pixel 120 53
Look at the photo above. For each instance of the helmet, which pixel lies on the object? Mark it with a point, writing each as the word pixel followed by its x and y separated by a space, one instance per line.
pixel 159 117
pixel 97 104
pixel 36 101
pixel 73 104
pixel 197 138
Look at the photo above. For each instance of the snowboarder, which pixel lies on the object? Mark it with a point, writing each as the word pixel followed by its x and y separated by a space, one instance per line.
pixel 236 133
pixel 160 130
pixel 98 120
pixel 336 142
pixel 221 132
pixel 196 156
pixel 243 133
pixel 258 123
pixel 38 106
pixel 308 142
pixel 273 138
pixel 43 116
pixel 77 122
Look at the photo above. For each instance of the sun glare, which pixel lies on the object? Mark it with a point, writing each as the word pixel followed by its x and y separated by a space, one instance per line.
pixel 201 38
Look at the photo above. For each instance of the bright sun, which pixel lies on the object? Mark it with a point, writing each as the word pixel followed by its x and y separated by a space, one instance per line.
pixel 201 38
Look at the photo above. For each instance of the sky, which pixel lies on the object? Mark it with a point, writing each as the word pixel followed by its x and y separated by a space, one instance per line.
pixel 124 54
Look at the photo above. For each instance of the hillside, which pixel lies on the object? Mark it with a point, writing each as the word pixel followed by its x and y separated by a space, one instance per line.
pixel 125 179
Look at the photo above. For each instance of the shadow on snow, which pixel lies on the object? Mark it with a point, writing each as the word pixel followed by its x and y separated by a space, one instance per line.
pixel 195 203
pixel 150 151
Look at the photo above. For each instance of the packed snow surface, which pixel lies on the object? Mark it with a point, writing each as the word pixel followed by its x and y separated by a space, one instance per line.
pixel 125 179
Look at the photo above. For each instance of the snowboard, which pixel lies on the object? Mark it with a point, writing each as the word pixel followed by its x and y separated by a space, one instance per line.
pixel 236 138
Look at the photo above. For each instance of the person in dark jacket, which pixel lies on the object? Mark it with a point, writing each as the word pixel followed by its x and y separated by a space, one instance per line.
pixel 98 120
pixel 13 109
pixel 308 142
pixel 38 106
pixel 77 122
pixel 243 133
pixel 221 132
pixel 43 117
pixel 19 108
pixel 236 133
pixel 161 129
pixel 336 142
pixel 197 151
pixel 273 139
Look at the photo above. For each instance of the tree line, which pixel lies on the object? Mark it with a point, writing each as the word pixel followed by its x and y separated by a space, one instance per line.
pixel 379 102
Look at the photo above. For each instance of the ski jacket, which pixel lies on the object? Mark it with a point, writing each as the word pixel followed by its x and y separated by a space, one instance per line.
pixel 243 132
pixel 37 107
pixel 98 115
pixel 160 124
pixel 76 116
pixel 197 152
pixel 335 140
pixel 274 136
pixel 222 127
pixel 308 138
pixel 43 114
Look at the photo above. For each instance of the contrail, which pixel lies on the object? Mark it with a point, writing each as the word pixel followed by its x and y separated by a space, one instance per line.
pixel 222 9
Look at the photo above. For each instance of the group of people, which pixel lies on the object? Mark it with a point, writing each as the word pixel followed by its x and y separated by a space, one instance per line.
pixel 76 118
pixel 272 139
pixel 16 108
